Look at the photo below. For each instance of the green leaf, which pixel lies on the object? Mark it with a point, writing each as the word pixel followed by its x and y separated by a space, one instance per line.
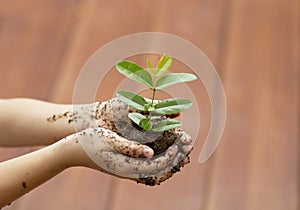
pixel 164 63
pixel 166 125
pixel 140 120
pixel 172 106
pixel 133 100
pixel 145 124
pixel 149 107
pixel 150 66
pixel 135 72
pixel 136 117
pixel 174 78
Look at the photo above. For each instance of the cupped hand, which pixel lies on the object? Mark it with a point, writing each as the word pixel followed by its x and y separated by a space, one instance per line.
pixel 127 159
pixel 103 141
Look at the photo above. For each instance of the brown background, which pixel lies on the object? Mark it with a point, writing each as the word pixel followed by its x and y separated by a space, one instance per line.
pixel 254 46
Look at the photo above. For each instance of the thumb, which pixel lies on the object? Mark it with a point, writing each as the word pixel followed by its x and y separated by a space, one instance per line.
pixel 125 146
pixel 102 136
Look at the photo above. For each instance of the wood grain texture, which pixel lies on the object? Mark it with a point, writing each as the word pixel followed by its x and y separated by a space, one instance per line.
pixel 255 47
pixel 257 162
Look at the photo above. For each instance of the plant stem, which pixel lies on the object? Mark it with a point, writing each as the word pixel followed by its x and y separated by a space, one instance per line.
pixel 153 96
pixel 154 89
pixel 152 101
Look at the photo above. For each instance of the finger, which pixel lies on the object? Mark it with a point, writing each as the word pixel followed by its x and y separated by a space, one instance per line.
pixel 187 148
pixel 113 163
pixel 166 173
pixel 124 146
pixel 178 159
pixel 107 140
pixel 132 167
pixel 185 138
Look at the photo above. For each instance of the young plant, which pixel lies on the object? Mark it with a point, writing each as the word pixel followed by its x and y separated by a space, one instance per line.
pixel 154 112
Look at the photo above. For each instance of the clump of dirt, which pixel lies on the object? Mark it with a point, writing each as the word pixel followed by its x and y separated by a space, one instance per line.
pixel 118 121
pixel 158 141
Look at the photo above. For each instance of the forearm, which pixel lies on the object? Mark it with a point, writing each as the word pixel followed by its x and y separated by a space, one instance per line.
pixel 25 122
pixel 20 175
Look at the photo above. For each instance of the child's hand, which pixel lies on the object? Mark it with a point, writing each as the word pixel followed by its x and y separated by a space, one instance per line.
pixel 100 127
pixel 123 158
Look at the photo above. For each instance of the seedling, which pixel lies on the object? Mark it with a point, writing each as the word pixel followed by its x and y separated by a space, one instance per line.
pixel 152 114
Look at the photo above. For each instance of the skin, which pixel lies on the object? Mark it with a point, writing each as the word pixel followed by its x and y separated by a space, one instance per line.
pixel 66 132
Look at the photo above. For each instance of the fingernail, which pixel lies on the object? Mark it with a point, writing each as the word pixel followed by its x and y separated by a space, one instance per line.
pixel 148 152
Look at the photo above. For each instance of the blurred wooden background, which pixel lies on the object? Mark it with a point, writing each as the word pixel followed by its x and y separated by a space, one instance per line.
pixel 254 45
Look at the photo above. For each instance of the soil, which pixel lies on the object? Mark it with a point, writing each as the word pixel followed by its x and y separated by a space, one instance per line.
pixel 24 185
pixel 158 141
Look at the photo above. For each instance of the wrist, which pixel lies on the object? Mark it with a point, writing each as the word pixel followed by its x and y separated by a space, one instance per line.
pixel 70 153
